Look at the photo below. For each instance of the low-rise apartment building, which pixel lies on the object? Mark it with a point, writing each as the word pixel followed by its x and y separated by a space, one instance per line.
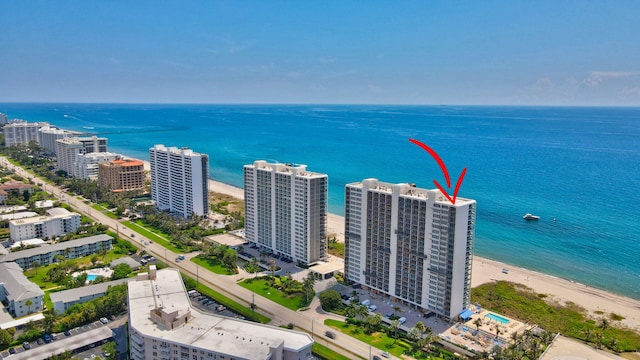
pixel 59 221
pixel 63 300
pixel 21 295
pixel 46 254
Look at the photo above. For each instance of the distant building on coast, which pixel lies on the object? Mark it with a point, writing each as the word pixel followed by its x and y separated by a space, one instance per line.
pixel 410 244
pixel 179 180
pixel 286 210
pixel 3 119
pixel 164 325
pixel 122 174
pixel 86 165
pixel 68 149
pixel 22 132
pixel 48 136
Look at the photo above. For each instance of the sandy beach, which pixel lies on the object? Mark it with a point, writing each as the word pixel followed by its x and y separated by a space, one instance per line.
pixel 486 270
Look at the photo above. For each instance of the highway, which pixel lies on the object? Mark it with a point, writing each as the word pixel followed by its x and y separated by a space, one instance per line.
pixel 310 321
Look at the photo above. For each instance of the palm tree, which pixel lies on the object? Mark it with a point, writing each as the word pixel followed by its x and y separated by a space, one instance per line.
pixel 395 325
pixel 604 324
pixel 477 322
pixel 421 327
pixel 498 331
pixel 362 312
pixel 272 267
pixel 36 265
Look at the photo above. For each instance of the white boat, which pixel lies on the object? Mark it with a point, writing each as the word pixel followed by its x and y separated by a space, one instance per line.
pixel 530 217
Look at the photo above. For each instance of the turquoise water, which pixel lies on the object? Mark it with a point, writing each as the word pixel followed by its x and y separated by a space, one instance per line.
pixel 91 277
pixel 497 318
pixel 580 166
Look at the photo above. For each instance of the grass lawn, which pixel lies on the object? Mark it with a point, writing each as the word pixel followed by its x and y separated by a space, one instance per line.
pixel 519 302
pixel 377 340
pixel 152 236
pixel 37 275
pixel 209 265
pixel 324 352
pixel 336 249
pixel 263 288
pixel 104 211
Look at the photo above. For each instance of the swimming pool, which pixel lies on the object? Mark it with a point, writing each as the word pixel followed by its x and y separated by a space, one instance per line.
pixel 91 277
pixel 497 318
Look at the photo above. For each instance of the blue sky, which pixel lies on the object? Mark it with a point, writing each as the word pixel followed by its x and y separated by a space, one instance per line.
pixel 365 52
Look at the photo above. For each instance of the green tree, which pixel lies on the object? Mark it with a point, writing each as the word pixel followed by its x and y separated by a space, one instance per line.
pixel 35 265
pixel 109 349
pixel 28 303
pixel 395 325
pixel 5 338
pixel 121 271
pixel 330 300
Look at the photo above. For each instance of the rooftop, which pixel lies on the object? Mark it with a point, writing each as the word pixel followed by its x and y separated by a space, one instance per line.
pixel 77 293
pixel 408 190
pixel 237 338
pixel 17 285
pixel 55 247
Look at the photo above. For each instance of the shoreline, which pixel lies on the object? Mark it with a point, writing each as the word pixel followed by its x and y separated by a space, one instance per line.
pixel 485 270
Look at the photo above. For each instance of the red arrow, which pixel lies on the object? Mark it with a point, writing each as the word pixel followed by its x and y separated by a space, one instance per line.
pixel 443 167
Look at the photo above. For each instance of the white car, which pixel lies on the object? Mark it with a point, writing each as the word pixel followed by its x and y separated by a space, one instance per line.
pixel 104 320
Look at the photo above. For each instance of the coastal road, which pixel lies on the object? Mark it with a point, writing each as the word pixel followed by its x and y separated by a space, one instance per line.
pixel 309 321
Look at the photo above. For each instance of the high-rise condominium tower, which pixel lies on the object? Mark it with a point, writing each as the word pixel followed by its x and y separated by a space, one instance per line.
pixel 410 244
pixel 179 180
pixel 286 210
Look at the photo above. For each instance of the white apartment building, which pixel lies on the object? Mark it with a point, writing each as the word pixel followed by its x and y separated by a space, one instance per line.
pixel 49 135
pixel 21 295
pixel 22 132
pixel 68 149
pixel 164 325
pixel 410 244
pixel 86 165
pixel 179 180
pixel 286 210
pixel 3 119
pixel 59 221
pixel 46 254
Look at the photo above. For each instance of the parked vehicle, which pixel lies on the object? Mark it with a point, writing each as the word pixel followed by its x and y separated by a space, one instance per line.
pixel 373 308
pixel 104 320
pixel 402 320
pixel 365 302
pixel 26 345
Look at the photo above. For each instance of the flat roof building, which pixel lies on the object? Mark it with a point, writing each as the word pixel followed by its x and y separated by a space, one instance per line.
pixel 59 221
pixel 179 180
pixel 48 136
pixel 22 132
pixel 163 325
pixel 86 165
pixel 68 149
pixel 410 244
pixel 286 210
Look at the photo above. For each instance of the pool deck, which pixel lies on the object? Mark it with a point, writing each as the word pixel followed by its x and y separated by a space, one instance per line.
pixel 483 337
pixel 103 271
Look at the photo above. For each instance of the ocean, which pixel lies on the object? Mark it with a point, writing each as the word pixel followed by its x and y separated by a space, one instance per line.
pixel 577 168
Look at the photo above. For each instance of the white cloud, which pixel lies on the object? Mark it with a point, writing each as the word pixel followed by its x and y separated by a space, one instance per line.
pixel 630 93
pixel 228 46
pixel 595 78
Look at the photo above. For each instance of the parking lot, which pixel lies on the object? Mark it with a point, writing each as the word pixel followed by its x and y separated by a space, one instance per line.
pixel 392 310
pixel 206 304
pixel 77 339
